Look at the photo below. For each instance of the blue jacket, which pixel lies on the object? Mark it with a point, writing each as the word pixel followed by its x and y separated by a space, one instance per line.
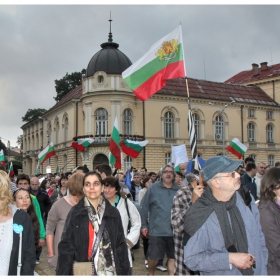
pixel 205 251
pixel 156 204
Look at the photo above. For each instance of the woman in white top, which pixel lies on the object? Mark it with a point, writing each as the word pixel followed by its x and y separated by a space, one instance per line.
pixel 126 207
pixel 14 221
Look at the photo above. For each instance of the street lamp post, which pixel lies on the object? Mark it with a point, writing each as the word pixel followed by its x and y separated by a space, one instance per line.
pixel 222 111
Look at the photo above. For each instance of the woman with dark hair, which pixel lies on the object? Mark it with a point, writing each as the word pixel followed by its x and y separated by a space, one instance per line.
pixel 269 208
pixel 58 214
pixel 91 218
pixel 14 223
pixel 128 211
pixel 45 185
pixel 23 201
pixel 63 190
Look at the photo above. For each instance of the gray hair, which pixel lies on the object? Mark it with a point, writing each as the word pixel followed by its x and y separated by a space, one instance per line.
pixel 191 177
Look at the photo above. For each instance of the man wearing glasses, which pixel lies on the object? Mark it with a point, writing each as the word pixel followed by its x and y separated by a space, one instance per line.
pixel 156 204
pixel 223 236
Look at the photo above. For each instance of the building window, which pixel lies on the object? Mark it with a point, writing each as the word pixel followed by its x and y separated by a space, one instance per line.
pixel 66 130
pixel 167 158
pixel 127 122
pixel 269 133
pixel 270 160
pixel 251 132
pixel 169 125
pixel 251 113
pixel 219 124
pixel 101 122
pixel 127 163
pixel 196 120
pixel 57 133
pixel 269 115
pixel 100 79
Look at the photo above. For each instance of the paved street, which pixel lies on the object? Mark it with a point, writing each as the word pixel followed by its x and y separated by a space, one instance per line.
pixel 138 265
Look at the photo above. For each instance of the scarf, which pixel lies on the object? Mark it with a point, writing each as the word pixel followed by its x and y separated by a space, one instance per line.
pixel 105 263
pixel 234 233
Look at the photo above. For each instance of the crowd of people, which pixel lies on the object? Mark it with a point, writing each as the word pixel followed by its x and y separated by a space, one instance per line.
pixel 224 221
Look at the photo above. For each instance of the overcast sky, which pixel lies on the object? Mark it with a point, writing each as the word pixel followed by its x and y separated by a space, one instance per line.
pixel 41 43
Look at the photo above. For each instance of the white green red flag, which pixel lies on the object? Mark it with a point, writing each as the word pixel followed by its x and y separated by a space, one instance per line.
pixel 37 168
pixel 237 148
pixel 115 157
pixel 46 153
pixel 82 143
pixel 2 157
pixel 11 171
pixel 164 60
pixel 133 148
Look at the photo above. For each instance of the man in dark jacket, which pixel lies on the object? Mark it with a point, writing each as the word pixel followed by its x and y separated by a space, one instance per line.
pixel 136 186
pixel 248 179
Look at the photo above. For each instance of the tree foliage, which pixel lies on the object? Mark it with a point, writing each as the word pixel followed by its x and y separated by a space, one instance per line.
pixel 20 141
pixel 33 114
pixel 3 147
pixel 67 83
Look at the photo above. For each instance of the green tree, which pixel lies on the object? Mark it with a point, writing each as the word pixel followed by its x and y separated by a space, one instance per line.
pixel 20 141
pixel 67 83
pixel 3 147
pixel 33 114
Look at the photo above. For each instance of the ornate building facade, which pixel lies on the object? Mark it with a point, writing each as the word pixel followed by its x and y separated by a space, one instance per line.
pixel 221 112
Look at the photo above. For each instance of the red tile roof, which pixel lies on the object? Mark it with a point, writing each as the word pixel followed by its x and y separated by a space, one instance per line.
pixel 74 93
pixel 248 76
pixel 217 91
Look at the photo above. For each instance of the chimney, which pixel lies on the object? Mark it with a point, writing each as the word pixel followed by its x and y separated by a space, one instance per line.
pixel 255 68
pixel 263 66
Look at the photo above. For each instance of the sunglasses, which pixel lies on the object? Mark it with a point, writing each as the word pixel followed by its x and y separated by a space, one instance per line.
pixel 232 174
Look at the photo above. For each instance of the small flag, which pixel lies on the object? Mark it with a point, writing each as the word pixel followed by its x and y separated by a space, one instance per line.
pixel 37 168
pixel 82 143
pixel 164 60
pixel 237 148
pixel 11 171
pixel 127 180
pixel 115 157
pixel 2 157
pixel 46 153
pixel 133 148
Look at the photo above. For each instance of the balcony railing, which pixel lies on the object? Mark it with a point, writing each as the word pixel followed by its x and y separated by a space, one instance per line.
pixel 105 138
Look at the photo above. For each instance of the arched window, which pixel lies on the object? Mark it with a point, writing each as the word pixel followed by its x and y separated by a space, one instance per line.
pixel 219 127
pixel 127 162
pixel 251 132
pixel 271 160
pixel 127 122
pixel 168 125
pixel 57 133
pixel 269 134
pixel 49 133
pixel 196 120
pixel 66 123
pixel 167 158
pixel 101 121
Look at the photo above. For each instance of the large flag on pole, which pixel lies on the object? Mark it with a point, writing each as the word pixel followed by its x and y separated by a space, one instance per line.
pixel 164 60
pixel 2 157
pixel 115 157
pixel 11 170
pixel 133 148
pixel 46 153
pixel 195 163
pixel 237 148
pixel 82 143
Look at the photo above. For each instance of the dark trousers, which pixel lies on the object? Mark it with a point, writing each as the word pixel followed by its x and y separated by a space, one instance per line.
pixel 38 253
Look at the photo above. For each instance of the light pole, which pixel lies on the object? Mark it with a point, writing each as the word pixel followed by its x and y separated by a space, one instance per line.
pixel 222 111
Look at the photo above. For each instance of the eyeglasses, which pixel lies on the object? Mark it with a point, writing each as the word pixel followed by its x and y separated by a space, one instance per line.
pixel 232 174
pixel 167 172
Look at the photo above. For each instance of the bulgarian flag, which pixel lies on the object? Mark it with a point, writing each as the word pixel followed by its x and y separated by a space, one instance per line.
pixel 46 153
pixel 2 157
pixel 133 148
pixel 82 143
pixel 115 157
pixel 164 60
pixel 237 148
pixel 11 171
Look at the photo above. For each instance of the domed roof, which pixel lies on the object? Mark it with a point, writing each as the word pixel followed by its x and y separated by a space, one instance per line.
pixel 109 59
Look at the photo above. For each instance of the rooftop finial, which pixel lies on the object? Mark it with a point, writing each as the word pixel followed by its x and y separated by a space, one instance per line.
pixel 110 38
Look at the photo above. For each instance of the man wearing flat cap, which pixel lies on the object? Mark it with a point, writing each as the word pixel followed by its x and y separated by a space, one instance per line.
pixel 223 235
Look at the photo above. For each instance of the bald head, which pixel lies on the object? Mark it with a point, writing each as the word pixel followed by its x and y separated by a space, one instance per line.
pixel 34 183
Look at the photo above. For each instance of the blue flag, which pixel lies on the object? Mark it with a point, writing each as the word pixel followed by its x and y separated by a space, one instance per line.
pixel 127 180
